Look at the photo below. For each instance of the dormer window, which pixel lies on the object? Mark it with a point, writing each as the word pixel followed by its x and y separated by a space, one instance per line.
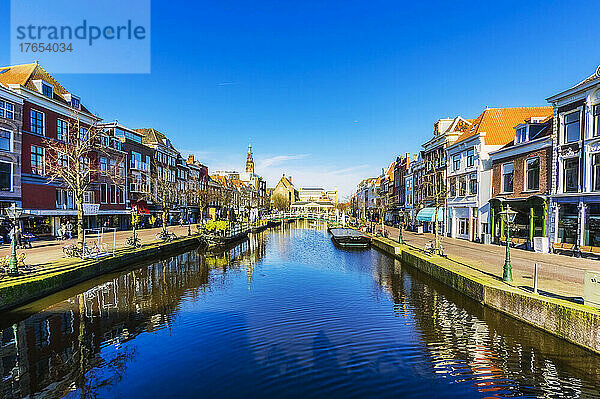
pixel 47 90
pixel 521 134
pixel 75 102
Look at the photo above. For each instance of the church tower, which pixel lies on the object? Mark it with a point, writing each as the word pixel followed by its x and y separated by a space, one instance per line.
pixel 249 160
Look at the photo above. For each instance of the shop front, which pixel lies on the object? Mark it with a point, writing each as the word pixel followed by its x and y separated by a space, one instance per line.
pixel 530 220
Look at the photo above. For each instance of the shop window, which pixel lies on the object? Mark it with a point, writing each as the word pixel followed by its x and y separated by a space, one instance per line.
pixel 596 172
pixel 592 226
pixel 508 170
pixel 568 224
pixel 572 127
pixel 533 174
pixel 571 175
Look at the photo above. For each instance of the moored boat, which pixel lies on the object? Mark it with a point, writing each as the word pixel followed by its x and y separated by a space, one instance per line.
pixel 350 238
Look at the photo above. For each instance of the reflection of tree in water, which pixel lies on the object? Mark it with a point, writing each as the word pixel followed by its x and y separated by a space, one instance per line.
pixel 483 348
pixel 85 343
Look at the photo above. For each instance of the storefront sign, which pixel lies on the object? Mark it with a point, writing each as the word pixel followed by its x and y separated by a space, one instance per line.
pixel 591 289
pixel 91 209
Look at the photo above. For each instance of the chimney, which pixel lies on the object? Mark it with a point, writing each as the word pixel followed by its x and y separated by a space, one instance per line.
pixel 190 158
pixel 290 179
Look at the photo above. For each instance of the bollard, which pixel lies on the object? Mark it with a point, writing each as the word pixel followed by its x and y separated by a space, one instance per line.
pixel 535 278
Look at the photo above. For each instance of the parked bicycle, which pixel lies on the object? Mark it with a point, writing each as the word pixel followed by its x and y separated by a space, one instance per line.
pixel 134 242
pixel 165 235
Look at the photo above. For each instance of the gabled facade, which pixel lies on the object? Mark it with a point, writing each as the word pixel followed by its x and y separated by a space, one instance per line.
pixel 469 173
pixel 286 189
pixel 400 172
pixel 11 125
pixel 521 178
pixel 575 199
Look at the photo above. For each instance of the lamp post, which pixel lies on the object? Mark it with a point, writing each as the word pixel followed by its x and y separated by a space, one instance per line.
pixel 134 221
pixel 400 238
pixel 509 217
pixel 13 264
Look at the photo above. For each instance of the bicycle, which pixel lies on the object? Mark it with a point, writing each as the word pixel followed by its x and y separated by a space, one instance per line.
pixel 134 242
pixel 165 235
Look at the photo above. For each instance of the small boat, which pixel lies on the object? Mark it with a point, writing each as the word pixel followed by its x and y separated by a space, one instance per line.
pixel 349 238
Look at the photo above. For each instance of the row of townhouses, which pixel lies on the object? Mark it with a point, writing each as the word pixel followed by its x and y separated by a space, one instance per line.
pixel 542 162
pixel 36 112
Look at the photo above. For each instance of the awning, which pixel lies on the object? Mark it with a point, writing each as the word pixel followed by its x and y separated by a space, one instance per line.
pixel 427 214
pixel 142 207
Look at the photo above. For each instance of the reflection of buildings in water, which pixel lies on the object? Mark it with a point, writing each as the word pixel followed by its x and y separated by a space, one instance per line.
pixel 484 348
pixel 49 352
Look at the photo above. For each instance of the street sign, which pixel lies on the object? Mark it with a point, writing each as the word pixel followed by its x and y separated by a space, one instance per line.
pixel 591 289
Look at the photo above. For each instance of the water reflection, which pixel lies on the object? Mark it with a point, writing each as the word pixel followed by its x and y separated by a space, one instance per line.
pixel 283 314
pixel 59 350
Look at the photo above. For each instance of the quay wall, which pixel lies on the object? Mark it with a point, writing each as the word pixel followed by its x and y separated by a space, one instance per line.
pixel 19 292
pixel 576 323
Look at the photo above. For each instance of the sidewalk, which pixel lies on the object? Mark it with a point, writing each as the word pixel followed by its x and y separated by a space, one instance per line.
pixel 45 253
pixel 558 275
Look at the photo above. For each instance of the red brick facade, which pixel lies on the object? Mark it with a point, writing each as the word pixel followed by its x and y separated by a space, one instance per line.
pixel 519 161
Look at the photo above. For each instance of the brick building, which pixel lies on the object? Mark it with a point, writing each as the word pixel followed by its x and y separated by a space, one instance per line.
pixel 11 124
pixel 521 179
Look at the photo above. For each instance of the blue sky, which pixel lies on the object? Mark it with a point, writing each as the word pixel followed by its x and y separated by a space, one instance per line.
pixel 331 91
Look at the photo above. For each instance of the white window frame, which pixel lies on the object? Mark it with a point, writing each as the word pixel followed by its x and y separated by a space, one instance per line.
pixel 11 140
pixel 503 191
pixel 526 169
pixel 562 175
pixel 563 131
pixel 43 121
pixel 43 159
pixel 12 177
pixel 454 168
pixel 46 85
pixel 5 109
pixel 65 138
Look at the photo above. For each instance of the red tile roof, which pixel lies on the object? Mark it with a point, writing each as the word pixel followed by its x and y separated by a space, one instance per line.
pixel 498 123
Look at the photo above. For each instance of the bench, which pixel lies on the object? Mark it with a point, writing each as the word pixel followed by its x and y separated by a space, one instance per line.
pixel 589 250
pixel 563 247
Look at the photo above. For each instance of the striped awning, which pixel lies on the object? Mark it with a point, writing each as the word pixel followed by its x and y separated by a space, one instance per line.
pixel 427 214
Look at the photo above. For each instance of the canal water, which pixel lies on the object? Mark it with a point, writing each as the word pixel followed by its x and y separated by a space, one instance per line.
pixel 283 315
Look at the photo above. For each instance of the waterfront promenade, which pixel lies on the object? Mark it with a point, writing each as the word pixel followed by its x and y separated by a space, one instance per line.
pixel 558 275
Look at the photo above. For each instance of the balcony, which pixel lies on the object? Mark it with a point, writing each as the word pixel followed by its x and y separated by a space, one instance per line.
pixel 139 165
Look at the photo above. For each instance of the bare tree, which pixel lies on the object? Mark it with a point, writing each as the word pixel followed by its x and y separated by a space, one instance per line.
pixel 280 202
pixel 436 192
pixel 163 191
pixel 72 160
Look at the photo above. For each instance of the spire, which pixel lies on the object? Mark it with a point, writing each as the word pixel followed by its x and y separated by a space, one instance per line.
pixel 249 160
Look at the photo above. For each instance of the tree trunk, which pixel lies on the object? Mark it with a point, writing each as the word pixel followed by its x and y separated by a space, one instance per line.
pixel 79 200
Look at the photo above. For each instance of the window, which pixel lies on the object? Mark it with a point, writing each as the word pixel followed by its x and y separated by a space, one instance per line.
pixel 103 165
pixel 462 186
pixel 61 130
pixel 88 197
pixel 571 175
pixel 63 161
pixel 36 122
pixel 596 120
pixel 103 189
pixel 596 172
pixel 113 194
pixel 113 167
pixel 456 162
pixel 37 160
pixel 5 139
pixel 572 127
pixel 508 170
pixel 83 134
pixel 47 90
pixel 7 110
pixel 104 140
pixel 473 183
pixel 533 174
pixel 75 102
pixel 121 171
pixel 470 157
pixel 521 135
pixel 5 176
pixel 453 187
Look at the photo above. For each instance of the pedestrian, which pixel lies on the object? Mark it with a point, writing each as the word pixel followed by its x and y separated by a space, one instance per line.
pixel 69 230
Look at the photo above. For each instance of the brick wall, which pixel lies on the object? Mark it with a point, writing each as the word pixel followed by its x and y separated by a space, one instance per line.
pixel 519 189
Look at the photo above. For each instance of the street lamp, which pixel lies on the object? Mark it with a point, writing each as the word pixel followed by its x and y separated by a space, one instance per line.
pixel 509 217
pixel 400 238
pixel 13 264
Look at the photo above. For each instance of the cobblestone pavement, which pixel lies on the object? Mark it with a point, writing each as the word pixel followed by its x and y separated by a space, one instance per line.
pixel 558 275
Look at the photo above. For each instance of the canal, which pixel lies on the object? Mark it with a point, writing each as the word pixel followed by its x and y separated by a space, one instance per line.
pixel 285 314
